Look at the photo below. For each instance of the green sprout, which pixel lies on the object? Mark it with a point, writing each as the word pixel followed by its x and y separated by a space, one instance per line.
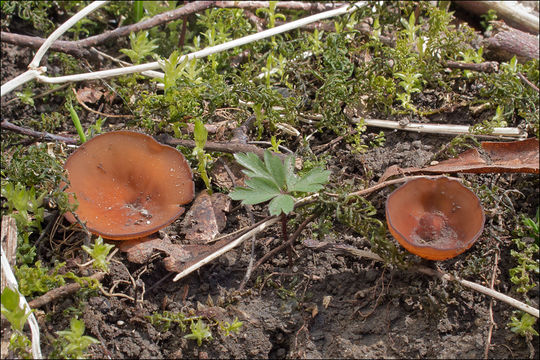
pixel 201 134
pixel 73 342
pixel 76 122
pixel 199 331
pixel 99 252
pixel 228 328
pixel 17 317
pixel 141 46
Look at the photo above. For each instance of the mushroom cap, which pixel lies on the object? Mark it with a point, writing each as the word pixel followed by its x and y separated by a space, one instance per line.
pixel 435 218
pixel 127 184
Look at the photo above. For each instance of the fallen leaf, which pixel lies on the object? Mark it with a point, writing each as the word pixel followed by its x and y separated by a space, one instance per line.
pixel 222 178
pixel 206 217
pixel 499 157
pixel 89 95
pixel 139 251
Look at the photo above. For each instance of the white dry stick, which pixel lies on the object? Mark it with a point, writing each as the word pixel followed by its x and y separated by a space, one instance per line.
pixel 439 128
pixel 61 30
pixel 227 247
pixel 34 71
pixel 210 50
pixel 32 322
pixel 495 294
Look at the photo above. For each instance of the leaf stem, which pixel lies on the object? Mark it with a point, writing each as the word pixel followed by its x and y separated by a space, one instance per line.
pixel 286 237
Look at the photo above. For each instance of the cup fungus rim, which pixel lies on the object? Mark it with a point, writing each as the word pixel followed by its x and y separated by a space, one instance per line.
pixel 456 250
pixel 72 216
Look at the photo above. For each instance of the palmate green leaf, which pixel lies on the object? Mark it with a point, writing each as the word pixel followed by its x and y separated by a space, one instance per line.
pixel 314 180
pixel 254 166
pixel 259 190
pixel 281 203
pixel 275 167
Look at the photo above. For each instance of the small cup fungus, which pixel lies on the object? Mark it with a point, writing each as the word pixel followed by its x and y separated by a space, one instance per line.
pixel 127 184
pixel 435 218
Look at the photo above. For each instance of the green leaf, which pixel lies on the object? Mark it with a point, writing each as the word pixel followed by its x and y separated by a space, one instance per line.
pixel 281 203
pixel 201 134
pixel 251 196
pixel 314 180
pixel 255 167
pixel 10 299
pixel 275 167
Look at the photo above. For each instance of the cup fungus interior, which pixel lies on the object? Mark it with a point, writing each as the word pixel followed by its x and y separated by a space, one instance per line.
pixel 127 184
pixel 435 218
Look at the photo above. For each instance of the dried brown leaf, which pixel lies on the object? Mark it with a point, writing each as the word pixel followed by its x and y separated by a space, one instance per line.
pixel 206 217
pixel 499 157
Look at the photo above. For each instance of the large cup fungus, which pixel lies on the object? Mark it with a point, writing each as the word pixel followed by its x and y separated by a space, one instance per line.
pixel 127 185
pixel 435 218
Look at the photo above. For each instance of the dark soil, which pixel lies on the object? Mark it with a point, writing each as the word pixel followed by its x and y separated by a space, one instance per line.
pixel 327 305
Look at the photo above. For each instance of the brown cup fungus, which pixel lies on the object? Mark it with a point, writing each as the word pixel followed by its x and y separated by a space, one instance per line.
pixel 435 218
pixel 127 185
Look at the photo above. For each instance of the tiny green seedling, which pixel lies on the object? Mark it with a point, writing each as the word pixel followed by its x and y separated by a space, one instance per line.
pixel 73 342
pixel 199 331
pixel 234 327
pixel 76 122
pixel 141 46
pixel 275 180
pixel 201 134
pixel 17 317
pixel 99 252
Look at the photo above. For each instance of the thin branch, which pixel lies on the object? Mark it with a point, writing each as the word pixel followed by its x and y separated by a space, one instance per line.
pixel 439 128
pixel 159 19
pixel 226 248
pixel 350 250
pixel 45 136
pixel 227 147
pixel 61 30
pixel 291 5
pixel 487 66
pixel 210 50
pixel 61 292
pixel 528 82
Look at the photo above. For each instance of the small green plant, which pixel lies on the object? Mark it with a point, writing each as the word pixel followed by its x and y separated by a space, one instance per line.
pixel 275 180
pixel 199 331
pixel 141 46
pixel 38 279
pixel 523 325
pixel 99 252
pixel 526 254
pixel 17 316
pixel 76 121
pixel 26 96
pixel 201 134
pixel 165 319
pixel 229 328
pixel 173 69
pixel 24 205
pixel 72 343
pixel 487 18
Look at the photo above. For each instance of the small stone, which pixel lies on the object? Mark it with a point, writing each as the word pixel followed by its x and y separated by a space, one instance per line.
pixel 120 323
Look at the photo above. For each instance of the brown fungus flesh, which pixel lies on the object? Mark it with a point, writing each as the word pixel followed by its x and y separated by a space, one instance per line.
pixel 127 185
pixel 434 218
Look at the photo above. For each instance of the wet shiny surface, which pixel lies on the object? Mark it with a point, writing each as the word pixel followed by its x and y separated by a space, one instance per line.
pixel 435 218
pixel 128 185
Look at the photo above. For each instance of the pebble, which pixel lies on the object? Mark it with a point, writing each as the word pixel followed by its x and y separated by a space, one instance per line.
pixel 120 323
